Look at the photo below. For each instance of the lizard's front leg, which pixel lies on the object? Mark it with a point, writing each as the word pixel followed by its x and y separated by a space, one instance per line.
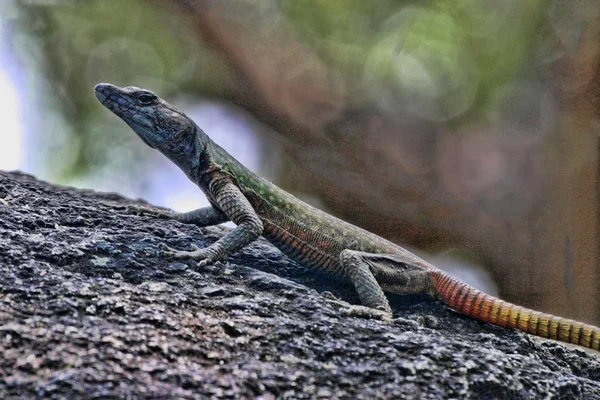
pixel 236 208
pixel 206 216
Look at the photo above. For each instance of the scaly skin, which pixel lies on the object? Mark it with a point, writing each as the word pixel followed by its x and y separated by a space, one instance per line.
pixel 304 233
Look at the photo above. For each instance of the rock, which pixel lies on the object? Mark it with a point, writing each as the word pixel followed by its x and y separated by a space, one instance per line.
pixel 88 309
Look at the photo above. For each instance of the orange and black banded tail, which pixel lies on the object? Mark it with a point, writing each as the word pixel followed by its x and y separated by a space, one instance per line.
pixel 467 300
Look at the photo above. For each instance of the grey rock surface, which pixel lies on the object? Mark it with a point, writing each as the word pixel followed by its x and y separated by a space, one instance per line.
pixel 89 310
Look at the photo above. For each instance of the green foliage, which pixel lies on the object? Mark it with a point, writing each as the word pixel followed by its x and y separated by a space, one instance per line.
pixel 446 58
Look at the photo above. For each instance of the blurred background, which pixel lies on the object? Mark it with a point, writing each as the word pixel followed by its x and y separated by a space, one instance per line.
pixel 467 130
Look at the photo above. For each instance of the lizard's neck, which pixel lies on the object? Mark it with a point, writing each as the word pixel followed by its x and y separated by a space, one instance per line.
pixel 262 194
pixel 245 178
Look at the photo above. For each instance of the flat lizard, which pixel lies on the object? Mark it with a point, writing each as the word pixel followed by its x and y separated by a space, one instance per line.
pixel 307 235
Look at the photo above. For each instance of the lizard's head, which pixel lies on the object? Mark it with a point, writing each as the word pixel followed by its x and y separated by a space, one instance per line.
pixel 156 122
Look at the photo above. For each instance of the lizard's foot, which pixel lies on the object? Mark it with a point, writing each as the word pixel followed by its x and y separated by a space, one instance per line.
pixel 150 212
pixel 405 321
pixel 367 312
pixel 195 254
pixel 428 321
pixel 206 256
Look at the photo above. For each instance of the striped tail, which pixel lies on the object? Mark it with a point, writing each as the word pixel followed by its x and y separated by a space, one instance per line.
pixel 467 300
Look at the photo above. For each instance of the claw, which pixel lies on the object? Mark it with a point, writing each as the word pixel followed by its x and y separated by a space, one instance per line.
pixel 204 256
pixel 166 250
pixel 195 254
pixel 204 263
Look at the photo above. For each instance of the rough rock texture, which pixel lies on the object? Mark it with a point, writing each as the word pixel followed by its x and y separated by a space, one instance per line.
pixel 89 310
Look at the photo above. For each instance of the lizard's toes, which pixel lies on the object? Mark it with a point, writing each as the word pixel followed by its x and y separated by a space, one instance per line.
pixel 149 212
pixel 167 251
pixel 205 262
pixel 428 321
pixel 165 248
pixel 367 313
pixel 404 321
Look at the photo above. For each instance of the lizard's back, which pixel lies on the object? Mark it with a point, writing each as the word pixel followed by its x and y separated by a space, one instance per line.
pixel 301 231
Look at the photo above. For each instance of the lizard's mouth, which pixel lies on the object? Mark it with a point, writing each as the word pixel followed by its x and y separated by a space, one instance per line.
pixel 103 92
pixel 144 140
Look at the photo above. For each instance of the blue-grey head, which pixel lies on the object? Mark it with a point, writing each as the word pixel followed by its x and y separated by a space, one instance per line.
pixel 156 122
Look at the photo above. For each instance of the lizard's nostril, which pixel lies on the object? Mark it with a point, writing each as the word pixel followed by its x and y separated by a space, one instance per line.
pixel 102 90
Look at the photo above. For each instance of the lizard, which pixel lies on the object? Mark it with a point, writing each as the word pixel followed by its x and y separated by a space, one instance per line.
pixel 304 233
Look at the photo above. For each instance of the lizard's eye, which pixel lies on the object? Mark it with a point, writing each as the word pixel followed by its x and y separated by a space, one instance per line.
pixel 146 98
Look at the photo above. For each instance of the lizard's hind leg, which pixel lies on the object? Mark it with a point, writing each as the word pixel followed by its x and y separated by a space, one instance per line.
pixel 370 272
